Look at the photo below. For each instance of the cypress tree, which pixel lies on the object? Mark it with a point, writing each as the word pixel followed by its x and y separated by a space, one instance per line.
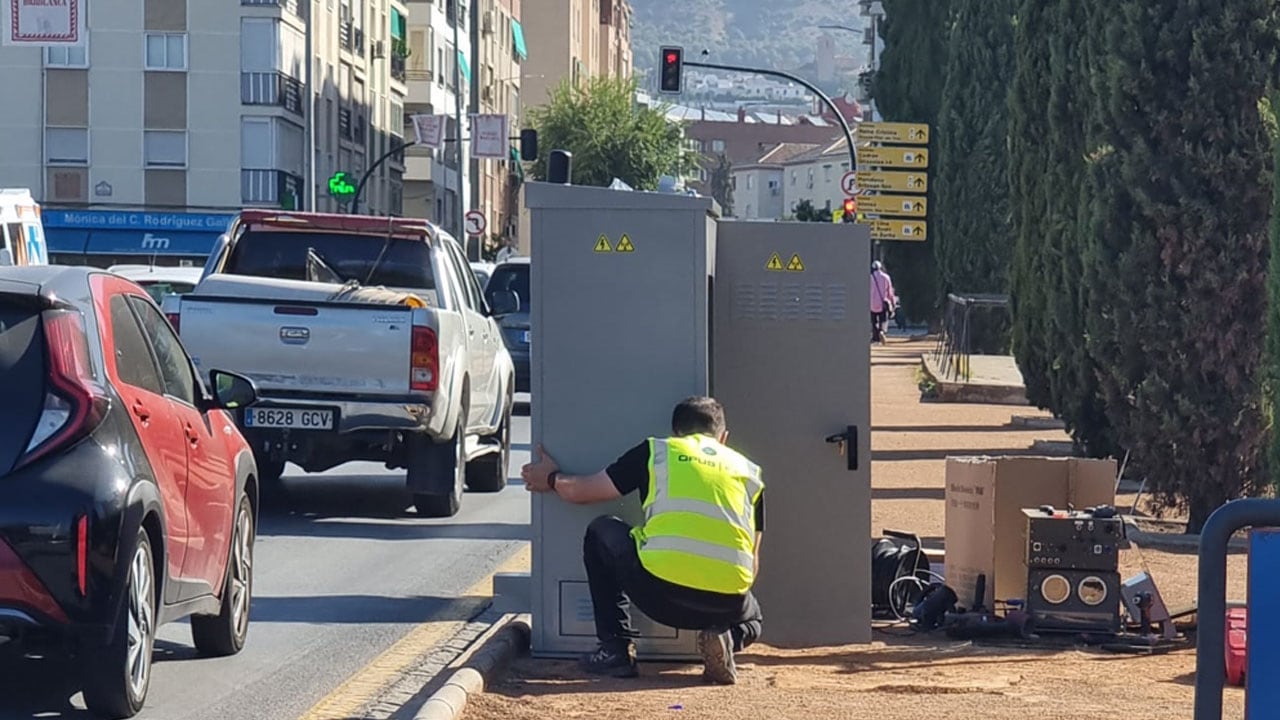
pixel 1181 184
pixel 1271 360
pixel 1033 257
pixel 972 223
pixel 1074 392
pixel 908 88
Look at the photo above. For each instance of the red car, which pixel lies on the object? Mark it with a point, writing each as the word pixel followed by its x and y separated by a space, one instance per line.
pixel 129 497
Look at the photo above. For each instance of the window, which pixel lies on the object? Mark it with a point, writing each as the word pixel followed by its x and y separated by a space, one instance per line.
pixel 259 38
pixel 469 291
pixel 256 148
pixel 66 146
pixel 68 56
pixel 751 181
pixel 371 259
pixel 717 146
pixel 134 364
pixel 165 148
pixel 166 51
pixel 175 369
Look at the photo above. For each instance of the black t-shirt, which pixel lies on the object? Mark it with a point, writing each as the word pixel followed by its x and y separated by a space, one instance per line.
pixel 631 473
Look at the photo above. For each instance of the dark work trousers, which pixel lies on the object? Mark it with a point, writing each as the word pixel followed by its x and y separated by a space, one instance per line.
pixel 617 579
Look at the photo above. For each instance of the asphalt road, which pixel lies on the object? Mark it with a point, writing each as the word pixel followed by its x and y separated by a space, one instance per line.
pixel 341 575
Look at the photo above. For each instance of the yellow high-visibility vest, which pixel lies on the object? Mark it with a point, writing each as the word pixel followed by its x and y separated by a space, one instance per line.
pixel 700 523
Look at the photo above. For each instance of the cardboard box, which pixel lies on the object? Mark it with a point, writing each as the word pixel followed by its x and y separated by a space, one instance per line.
pixel 985 527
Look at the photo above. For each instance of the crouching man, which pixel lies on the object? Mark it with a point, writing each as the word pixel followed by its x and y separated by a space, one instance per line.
pixel 692 563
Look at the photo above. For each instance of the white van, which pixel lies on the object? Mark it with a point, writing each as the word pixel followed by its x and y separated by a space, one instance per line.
pixel 22 239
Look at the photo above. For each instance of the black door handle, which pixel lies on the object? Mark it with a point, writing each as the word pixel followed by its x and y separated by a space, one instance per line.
pixel 848 442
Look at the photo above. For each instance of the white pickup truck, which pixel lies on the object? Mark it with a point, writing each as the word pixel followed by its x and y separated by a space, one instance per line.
pixel 368 339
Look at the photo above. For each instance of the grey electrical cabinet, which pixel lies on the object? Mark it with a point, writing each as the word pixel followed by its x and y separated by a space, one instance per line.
pixel 621 293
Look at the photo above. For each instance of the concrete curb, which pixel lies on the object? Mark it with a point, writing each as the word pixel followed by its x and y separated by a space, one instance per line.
pixel 500 645
pixel 958 391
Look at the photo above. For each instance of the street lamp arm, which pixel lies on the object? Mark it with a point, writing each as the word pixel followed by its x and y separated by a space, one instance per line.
pixel 844 125
pixel 355 199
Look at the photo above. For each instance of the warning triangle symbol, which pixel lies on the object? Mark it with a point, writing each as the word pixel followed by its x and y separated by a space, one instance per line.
pixel 602 245
pixel 796 264
pixel 624 245
pixel 775 263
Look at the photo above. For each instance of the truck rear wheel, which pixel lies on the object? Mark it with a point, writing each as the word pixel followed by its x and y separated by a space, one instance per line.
pixel 437 474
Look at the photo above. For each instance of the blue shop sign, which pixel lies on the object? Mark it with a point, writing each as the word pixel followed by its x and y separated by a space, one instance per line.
pixel 133 233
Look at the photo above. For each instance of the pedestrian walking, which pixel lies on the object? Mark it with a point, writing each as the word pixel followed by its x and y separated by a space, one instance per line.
pixel 693 561
pixel 883 301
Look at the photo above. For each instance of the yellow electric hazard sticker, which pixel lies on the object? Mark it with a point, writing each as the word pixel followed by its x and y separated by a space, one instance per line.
pixel 775 263
pixel 624 245
pixel 796 264
pixel 602 245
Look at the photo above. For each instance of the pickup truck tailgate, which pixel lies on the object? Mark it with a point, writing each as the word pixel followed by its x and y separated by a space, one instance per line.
pixel 302 347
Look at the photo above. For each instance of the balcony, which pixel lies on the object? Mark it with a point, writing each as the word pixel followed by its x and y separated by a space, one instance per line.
pixel 398 71
pixel 271 187
pixel 271 88
pixel 294 6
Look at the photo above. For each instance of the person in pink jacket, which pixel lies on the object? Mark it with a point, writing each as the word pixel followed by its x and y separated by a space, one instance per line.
pixel 883 301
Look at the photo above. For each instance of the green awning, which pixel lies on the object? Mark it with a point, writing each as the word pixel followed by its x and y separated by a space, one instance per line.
pixel 463 67
pixel 517 35
pixel 397 25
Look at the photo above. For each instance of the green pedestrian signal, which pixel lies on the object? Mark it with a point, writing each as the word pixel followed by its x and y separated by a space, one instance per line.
pixel 340 186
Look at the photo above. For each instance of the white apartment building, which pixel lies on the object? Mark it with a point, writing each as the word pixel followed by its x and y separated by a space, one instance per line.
pixel 815 176
pixel 758 192
pixel 173 114
pixel 431 183
pixel 497 38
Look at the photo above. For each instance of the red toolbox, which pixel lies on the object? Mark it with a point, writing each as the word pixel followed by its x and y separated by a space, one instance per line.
pixel 1237 649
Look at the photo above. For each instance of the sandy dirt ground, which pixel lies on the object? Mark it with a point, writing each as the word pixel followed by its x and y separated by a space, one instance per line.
pixel 900 677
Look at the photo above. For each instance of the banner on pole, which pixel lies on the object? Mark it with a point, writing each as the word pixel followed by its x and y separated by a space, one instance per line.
pixel 428 130
pixel 490 137
pixel 43 23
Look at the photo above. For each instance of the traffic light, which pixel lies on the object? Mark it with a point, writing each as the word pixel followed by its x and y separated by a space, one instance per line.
pixel 672 64
pixel 850 210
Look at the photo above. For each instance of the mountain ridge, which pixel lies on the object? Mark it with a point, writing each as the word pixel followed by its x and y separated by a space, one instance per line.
pixel 777 34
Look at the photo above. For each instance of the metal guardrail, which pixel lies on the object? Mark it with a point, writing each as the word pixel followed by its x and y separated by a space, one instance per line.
pixel 1211 596
pixel 954 346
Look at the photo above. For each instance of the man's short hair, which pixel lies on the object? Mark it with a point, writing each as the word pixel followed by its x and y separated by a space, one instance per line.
pixel 698 416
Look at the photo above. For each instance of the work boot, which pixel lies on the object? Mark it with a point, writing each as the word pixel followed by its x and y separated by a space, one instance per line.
pixel 716 649
pixel 612 659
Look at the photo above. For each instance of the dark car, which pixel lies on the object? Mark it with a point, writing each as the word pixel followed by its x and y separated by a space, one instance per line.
pixel 129 495
pixel 508 295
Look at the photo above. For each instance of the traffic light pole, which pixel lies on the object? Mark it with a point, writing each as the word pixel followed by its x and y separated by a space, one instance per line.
pixel 844 124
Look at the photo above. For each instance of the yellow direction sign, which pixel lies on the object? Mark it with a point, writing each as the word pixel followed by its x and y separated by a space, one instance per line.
pixel 908 205
pixel 886 132
pixel 893 157
pixel 892 181
pixel 898 229
pixel 602 244
pixel 624 245
pixel 775 263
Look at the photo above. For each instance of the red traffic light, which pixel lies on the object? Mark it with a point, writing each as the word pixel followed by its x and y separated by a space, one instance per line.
pixel 671 79
pixel 850 206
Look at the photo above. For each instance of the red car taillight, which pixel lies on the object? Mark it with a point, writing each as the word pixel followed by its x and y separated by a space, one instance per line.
pixel 82 555
pixel 424 360
pixel 74 404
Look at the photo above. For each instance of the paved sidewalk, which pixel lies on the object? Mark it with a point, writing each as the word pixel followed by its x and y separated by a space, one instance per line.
pixel 899 677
